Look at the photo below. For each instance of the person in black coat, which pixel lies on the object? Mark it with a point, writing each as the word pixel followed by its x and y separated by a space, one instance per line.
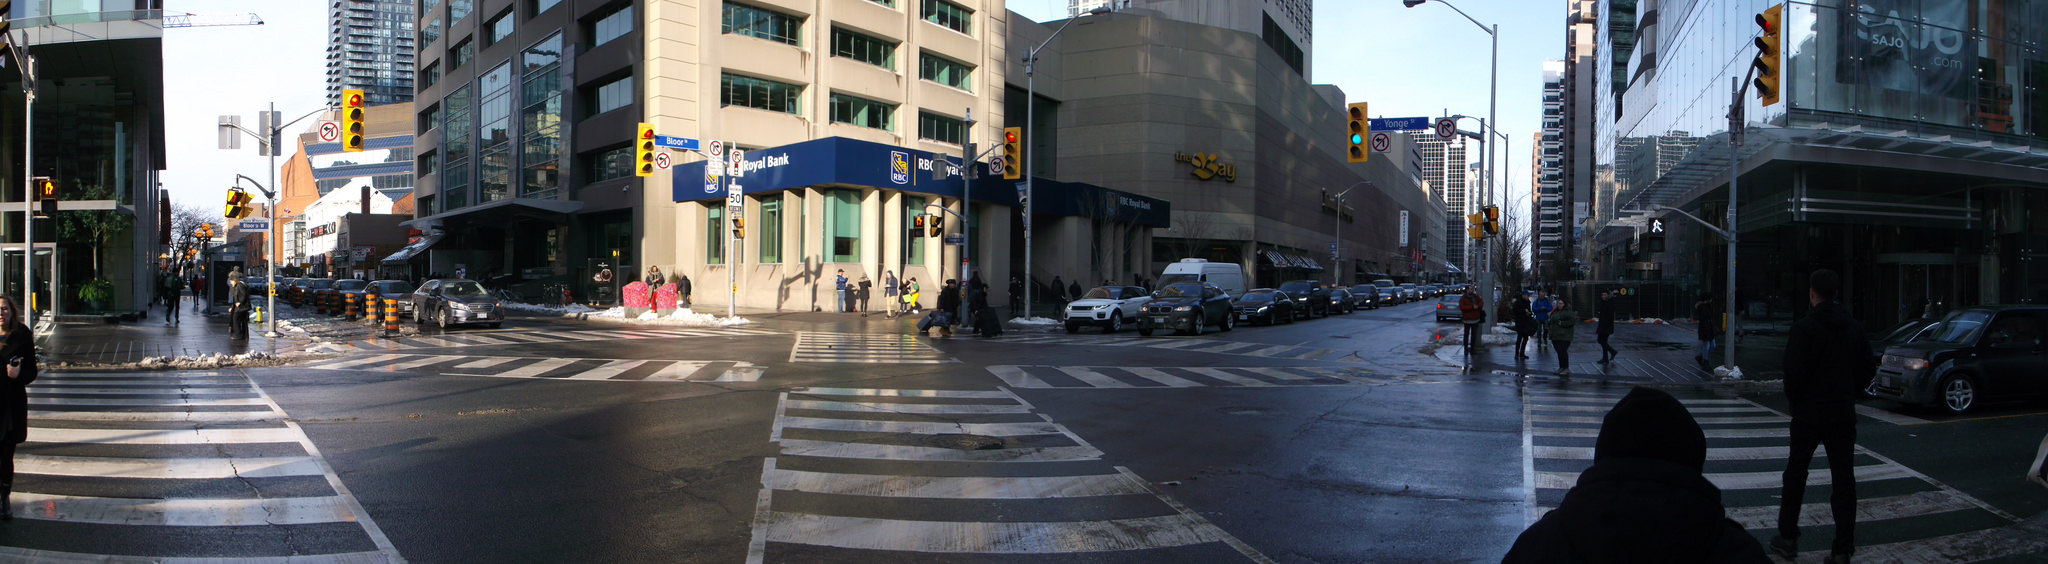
pixel 949 299
pixel 1827 359
pixel 1605 310
pixel 1525 324
pixel 1708 315
pixel 18 351
pixel 238 308
pixel 1645 498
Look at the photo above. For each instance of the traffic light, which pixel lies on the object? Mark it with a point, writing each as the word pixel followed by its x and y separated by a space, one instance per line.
pixel 937 226
pixel 46 196
pixel 1013 153
pixel 739 227
pixel 1492 226
pixel 1770 59
pixel 351 121
pixel 1476 234
pixel 1361 128
pixel 643 151
pixel 6 7
pixel 1473 227
pixel 238 204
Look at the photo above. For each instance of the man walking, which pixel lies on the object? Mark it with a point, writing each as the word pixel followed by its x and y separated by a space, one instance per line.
pixel 1708 316
pixel 1472 311
pixel 170 291
pixel 238 308
pixel 1606 328
pixel 1825 357
pixel 839 280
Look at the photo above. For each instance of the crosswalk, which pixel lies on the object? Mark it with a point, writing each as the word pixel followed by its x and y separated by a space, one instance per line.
pixel 1902 515
pixel 865 348
pixel 165 466
pixel 1213 346
pixel 1039 376
pixel 532 337
pixel 869 475
pixel 550 368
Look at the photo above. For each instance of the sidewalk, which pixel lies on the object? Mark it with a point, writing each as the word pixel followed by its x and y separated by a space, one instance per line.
pixel 1649 353
pixel 99 343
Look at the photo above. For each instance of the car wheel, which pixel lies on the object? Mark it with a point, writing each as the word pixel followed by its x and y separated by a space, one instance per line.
pixel 1073 327
pixel 418 319
pixel 1116 322
pixel 1195 324
pixel 444 317
pixel 1144 331
pixel 1229 321
pixel 1958 394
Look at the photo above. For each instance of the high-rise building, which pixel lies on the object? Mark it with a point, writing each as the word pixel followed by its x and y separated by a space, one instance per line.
pixel 1575 158
pixel 1285 25
pixel 370 48
pixel 1546 172
pixel 1444 170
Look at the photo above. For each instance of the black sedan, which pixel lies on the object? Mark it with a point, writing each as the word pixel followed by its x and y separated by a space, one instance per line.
pixel 1974 355
pixel 1187 308
pixel 1264 306
pixel 1364 297
pixel 1310 297
pixel 1340 301
pixel 456 301
pixel 399 290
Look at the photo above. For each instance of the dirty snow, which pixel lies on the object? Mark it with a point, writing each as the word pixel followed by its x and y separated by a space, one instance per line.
pixel 681 317
pixel 1035 321
pixel 215 360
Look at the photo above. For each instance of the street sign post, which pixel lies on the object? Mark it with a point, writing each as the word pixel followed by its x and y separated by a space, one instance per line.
pixel 671 142
pixel 1400 124
pixel 1447 128
pixel 738 157
pixel 1333 250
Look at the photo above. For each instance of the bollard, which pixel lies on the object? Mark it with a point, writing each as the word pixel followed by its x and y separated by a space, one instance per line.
pixel 257 316
pixel 355 308
pixel 373 310
pixel 391 317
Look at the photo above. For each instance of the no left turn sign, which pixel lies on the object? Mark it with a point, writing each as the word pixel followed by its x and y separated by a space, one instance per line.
pixel 1446 128
pixel 330 131
pixel 1381 141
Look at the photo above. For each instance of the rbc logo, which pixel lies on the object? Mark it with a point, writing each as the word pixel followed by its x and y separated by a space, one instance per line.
pixel 899 167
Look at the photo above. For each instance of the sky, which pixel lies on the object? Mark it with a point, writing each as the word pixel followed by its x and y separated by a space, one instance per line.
pixel 1405 62
pixel 1429 61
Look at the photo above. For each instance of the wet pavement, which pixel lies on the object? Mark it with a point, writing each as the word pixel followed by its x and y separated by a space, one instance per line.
pixel 196 334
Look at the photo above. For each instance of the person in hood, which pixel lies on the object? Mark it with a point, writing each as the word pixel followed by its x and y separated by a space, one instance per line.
pixel 1644 499
pixel 1826 358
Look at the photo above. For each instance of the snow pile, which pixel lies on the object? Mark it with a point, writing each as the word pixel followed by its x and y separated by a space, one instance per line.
pixel 1728 372
pixel 549 309
pixel 215 360
pixel 681 317
pixel 286 326
pixel 1027 321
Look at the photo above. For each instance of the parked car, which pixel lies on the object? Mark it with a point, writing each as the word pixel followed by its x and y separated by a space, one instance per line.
pixel 1447 308
pixel 1340 301
pixel 1389 293
pixel 1264 306
pixel 1107 306
pixel 1974 355
pixel 394 290
pixel 1310 297
pixel 456 301
pixel 1187 307
pixel 1365 296
pixel 1411 293
pixel 312 292
pixel 1226 275
pixel 294 290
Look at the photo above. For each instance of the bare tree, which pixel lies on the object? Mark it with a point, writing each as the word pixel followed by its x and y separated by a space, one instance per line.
pixel 1510 245
pixel 186 219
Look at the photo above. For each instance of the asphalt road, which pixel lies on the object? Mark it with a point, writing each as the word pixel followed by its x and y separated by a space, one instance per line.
pixel 797 440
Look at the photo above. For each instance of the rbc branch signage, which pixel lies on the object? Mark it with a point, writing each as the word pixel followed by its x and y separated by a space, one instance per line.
pixel 834 160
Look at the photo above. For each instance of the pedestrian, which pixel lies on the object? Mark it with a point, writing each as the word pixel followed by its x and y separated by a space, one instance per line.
pixel 1563 323
pixel 1606 327
pixel 683 288
pixel 653 279
pixel 911 294
pixel 1826 358
pixel 199 293
pixel 170 292
pixel 839 281
pixel 949 300
pixel 977 306
pixel 1541 309
pixel 1073 291
pixel 462 271
pixel 1472 313
pixel 18 347
pixel 1525 324
pixel 1707 315
pixel 1016 295
pixel 862 293
pixel 238 308
pixel 890 290
pixel 1059 289
pixel 1645 499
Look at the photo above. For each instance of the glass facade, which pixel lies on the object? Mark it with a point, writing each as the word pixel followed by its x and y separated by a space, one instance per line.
pixel 714 239
pixel 863 112
pixel 761 23
pixel 760 94
pixel 455 147
pixel 541 118
pixel 842 226
pixel 770 229
pixel 863 48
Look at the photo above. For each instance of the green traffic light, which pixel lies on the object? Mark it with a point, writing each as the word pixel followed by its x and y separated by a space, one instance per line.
pixel 1357 139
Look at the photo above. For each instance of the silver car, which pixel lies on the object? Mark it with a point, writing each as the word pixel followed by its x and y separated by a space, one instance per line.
pixel 454 301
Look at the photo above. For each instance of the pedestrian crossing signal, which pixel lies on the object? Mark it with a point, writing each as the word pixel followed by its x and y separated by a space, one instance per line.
pixel 352 121
pixel 643 149
pixel 917 223
pixel 46 197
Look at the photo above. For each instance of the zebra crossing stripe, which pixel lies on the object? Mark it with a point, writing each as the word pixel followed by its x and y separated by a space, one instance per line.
pixel 1176 344
pixel 1746 480
pixel 1093 378
pixel 70 435
pixel 971 487
pixel 1603 409
pixel 45 389
pixel 887 393
pixel 1270 351
pixel 538 368
pixel 411 364
pixel 1162 377
pixel 1227 347
pixel 487 362
pixel 154 402
pixel 1867 510
pixel 1762 418
pixel 133 416
pixel 990 537
pixel 1277 373
pixel 1220 374
pixel 921 427
pixel 920 408
pixel 1715 453
pixel 438 342
pixel 869 451
pixel 610 369
pixel 185 512
pixel 1718 433
pixel 1017 378
pixel 362 361
pixel 488 340
pixel 167 468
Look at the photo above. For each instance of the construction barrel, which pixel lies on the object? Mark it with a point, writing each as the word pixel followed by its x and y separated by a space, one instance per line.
pixel 391 317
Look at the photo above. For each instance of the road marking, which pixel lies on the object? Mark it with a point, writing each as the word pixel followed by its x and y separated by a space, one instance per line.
pixel 1773 419
pixel 1888 417
pixel 1093 378
pixel 971 487
pixel 1755 433
pixel 923 408
pixel 1867 510
pixel 487 362
pixel 167 468
pixel 829 449
pixel 538 368
pixel 362 361
pixel 1277 373
pixel 990 537
pixel 438 342
pixel 1242 548
pixel 1016 378
pixel 1162 377
pixel 182 512
pixel 158 402
pixel 1716 453
pixel 186 416
pixel 1772 480
pixel 1219 374
pixel 920 427
pixel 903 393
pixel 615 368
pixel 64 435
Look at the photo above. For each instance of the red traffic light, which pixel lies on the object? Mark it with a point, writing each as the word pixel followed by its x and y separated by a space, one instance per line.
pixel 1768 26
pixel 355 99
pixel 647 133
pixel 1009 137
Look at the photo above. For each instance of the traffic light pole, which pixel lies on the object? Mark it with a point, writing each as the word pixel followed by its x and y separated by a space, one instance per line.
pixel 28 216
pixel 1030 123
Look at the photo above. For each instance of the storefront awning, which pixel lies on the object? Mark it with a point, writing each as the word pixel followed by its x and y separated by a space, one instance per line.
pixel 1309 263
pixel 490 210
pixel 412 250
pixel 1453 268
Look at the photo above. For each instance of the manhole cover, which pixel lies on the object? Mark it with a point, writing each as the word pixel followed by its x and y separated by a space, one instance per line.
pixel 963 441
pixel 1242 410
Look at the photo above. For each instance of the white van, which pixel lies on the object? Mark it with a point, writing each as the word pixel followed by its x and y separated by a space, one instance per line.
pixel 1226 275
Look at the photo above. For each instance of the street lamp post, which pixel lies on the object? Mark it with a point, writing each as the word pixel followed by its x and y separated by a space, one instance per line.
pixel 1486 268
pixel 1030 113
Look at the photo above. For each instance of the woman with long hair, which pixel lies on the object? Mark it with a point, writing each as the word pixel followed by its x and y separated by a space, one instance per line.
pixel 18 350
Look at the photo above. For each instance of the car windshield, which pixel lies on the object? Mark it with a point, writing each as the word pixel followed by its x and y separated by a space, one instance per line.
pixel 393 287
pixel 351 284
pixel 1960 327
pixel 320 284
pixel 462 288
pixel 1256 296
pixel 1904 332
pixel 1181 291
pixel 1294 287
pixel 1099 293
pixel 1451 298
pixel 1171 279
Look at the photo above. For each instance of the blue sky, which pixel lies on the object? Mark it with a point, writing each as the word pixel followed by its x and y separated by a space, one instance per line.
pixel 1406 62
pixel 1428 61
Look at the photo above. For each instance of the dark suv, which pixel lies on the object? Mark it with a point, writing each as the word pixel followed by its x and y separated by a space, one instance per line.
pixel 1975 354
pixel 1310 297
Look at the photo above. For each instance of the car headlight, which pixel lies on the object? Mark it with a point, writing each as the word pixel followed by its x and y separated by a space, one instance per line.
pixel 1105 306
pixel 1183 308
pixel 1916 364
pixel 458 305
pixel 1262 309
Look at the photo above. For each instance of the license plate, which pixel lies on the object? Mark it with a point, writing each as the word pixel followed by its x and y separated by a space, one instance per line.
pixel 1159 320
pixel 1244 317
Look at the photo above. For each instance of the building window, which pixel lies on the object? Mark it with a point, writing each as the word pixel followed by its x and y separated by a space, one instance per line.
pixel 613 95
pixel 944 71
pixel 455 186
pixel 458 9
pixel 494 168
pixel 913 245
pixel 610 165
pixel 462 53
pixel 430 74
pixel 455 125
pixel 1286 48
pixel 842 225
pixel 496 112
pixel 863 48
pixel 542 118
pixel 430 118
pixel 953 16
pixel 889 3
pixel 770 229
pixel 612 26
pixel 429 34
pixel 543 5
pixel 760 94
pixel 863 112
pixel 500 27
pixel 934 127
pixel 714 241
pixel 761 23
pixel 428 163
